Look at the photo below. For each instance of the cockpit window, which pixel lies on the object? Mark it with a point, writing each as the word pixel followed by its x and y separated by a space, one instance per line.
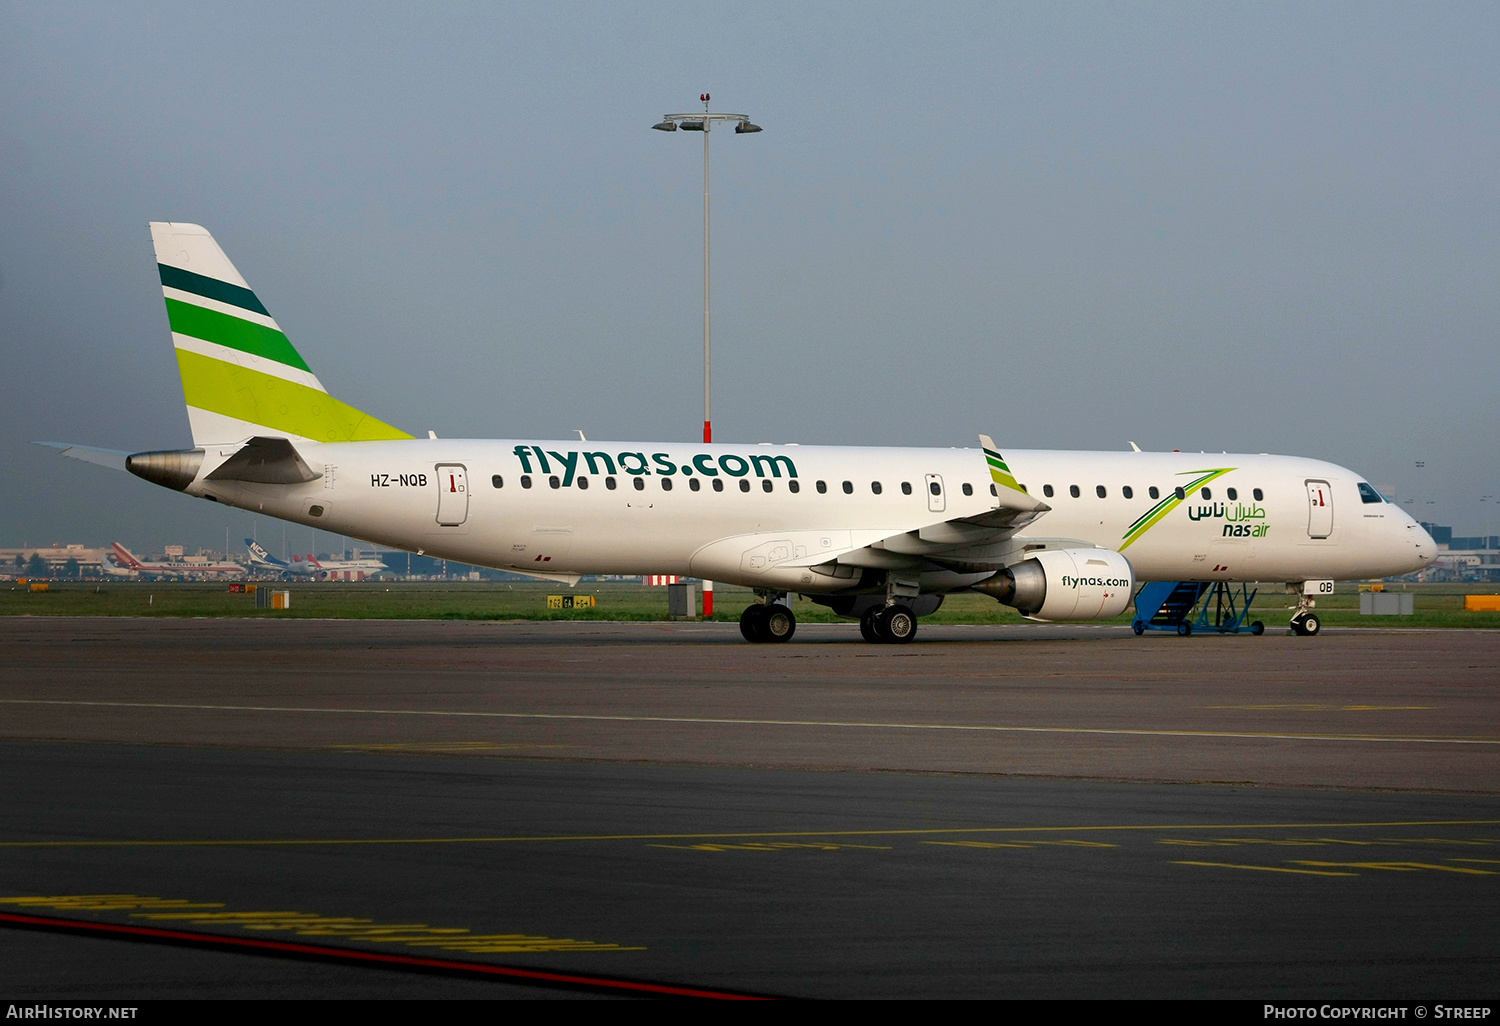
pixel 1368 494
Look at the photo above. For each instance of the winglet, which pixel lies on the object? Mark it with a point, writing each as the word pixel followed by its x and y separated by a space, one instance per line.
pixel 1004 479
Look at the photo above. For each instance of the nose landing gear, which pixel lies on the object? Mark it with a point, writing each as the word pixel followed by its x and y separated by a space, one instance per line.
pixel 1306 624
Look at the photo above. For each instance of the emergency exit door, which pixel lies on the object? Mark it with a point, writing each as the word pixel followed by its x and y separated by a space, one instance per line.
pixel 937 502
pixel 453 494
pixel 1319 509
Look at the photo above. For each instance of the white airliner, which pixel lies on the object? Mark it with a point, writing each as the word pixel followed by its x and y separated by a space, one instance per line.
pixel 126 559
pixel 311 566
pixel 341 569
pixel 880 535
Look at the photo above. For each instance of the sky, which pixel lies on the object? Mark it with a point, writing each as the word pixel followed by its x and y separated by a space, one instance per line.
pixel 1252 227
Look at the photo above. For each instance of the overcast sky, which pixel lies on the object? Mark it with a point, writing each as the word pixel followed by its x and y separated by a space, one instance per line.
pixel 1250 227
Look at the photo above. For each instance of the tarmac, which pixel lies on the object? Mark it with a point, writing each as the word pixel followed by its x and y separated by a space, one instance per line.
pixel 427 808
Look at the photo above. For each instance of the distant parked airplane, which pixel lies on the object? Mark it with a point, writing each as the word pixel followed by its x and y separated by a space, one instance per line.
pixel 127 559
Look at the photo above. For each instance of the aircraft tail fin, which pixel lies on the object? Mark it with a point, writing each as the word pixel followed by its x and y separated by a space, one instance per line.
pixel 241 376
pixel 125 557
pixel 259 552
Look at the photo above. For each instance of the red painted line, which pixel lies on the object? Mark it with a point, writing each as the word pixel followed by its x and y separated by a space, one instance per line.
pixel 377 958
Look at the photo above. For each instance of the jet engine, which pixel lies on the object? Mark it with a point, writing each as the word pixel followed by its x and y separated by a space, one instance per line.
pixel 1065 584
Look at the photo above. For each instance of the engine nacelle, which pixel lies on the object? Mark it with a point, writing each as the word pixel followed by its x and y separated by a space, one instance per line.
pixel 1065 584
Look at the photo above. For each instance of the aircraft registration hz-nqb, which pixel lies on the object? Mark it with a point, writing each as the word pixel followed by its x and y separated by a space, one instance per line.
pixel 879 535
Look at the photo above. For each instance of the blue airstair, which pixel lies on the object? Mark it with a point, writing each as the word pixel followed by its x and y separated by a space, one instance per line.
pixel 1170 605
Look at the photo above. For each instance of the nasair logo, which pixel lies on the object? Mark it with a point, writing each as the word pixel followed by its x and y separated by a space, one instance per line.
pixel 570 464
pixel 1244 521
pixel 1175 498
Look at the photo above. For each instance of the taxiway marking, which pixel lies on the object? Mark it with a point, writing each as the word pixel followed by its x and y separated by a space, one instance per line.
pixel 739 835
pixel 726 721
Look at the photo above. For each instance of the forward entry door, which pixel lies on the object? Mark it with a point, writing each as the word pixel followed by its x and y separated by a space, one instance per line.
pixel 1319 509
pixel 453 494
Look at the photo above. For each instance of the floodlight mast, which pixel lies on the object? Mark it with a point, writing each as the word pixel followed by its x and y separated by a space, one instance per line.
pixel 704 123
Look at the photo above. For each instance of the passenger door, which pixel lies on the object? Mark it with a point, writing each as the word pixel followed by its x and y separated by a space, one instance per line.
pixel 1319 509
pixel 453 494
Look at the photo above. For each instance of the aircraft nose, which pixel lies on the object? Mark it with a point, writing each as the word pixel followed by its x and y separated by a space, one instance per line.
pixel 1426 548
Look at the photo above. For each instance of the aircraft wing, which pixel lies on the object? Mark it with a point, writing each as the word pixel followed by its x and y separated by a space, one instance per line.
pixel 978 542
pixel 969 544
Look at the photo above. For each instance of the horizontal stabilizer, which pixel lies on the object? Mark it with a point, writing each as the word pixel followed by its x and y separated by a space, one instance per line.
pixel 266 461
pixel 114 459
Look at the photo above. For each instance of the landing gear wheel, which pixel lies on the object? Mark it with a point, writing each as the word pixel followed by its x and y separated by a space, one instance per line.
pixel 1257 628
pixel 753 623
pixel 869 627
pixel 1184 628
pixel 1311 625
pixel 777 623
pixel 897 624
pixel 1139 627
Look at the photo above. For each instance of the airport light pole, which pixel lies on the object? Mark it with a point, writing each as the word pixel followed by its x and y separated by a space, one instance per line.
pixel 704 123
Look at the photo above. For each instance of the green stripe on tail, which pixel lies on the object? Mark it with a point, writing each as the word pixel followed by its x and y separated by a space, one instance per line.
pixel 209 288
pixel 245 336
pixel 999 471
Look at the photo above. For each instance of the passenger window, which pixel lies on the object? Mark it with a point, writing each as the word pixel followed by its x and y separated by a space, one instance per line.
pixel 744 485
pixel 1179 493
pixel 583 483
pixel 793 487
pixel 666 484
pixel 905 487
pixel 1368 494
pixel 1099 491
pixel 1128 492
pixel 1206 494
pixel 1233 494
pixel 935 488
pixel 822 487
pixel 525 480
pixel 609 483
pixel 1047 491
pixel 848 487
pixel 1073 491
pixel 875 487
pixel 718 484
pixel 498 481
pixel 765 486
pixel 1259 495
pixel 1153 492
pixel 640 484
pixel 693 484
pixel 968 488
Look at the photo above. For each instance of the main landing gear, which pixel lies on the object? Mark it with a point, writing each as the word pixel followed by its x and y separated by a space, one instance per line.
pixel 768 621
pixel 893 625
